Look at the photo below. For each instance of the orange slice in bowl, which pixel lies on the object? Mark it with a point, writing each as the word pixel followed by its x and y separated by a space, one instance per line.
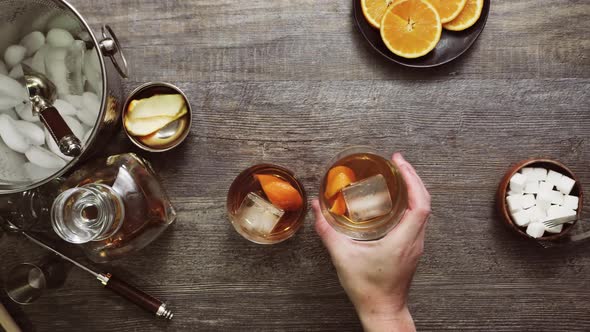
pixel 338 178
pixel 374 10
pixel 448 9
pixel 468 16
pixel 411 28
pixel 280 192
pixel 339 205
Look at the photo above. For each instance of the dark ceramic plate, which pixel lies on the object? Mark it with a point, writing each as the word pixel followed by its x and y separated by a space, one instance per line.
pixel 452 43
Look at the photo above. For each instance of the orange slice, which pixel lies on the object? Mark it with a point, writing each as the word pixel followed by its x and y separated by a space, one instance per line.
pixel 468 16
pixel 338 178
pixel 411 28
pixel 339 205
pixel 374 10
pixel 280 192
pixel 448 9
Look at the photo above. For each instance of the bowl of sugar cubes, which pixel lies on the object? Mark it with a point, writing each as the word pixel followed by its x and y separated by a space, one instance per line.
pixel 540 199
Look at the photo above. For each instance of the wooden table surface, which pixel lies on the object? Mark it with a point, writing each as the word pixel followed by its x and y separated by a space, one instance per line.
pixel 293 82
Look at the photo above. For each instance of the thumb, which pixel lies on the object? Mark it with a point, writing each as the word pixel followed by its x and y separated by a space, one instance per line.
pixel 327 233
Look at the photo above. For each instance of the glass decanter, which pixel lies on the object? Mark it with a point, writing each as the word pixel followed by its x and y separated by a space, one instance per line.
pixel 113 207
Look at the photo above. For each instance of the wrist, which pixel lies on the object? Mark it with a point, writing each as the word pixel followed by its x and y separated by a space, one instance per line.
pixel 385 316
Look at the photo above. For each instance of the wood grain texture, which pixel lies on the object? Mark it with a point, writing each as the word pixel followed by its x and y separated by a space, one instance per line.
pixel 292 82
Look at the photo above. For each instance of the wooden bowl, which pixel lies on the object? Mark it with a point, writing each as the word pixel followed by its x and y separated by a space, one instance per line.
pixel 544 163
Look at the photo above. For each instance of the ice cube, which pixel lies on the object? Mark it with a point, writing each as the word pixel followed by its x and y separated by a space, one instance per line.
pixel 25 112
pixel 74 62
pixel 33 42
pixel 16 72
pixel 11 135
pixel 92 71
pixel 545 186
pixel 517 182
pixel 368 199
pixel 91 102
pixel 10 88
pixel 521 218
pixel 11 163
pixel 78 101
pixel 514 202
pixel 528 201
pixel 10 112
pixel 565 185
pixel 55 65
pixel 37 172
pixel 258 215
pixel 38 63
pixel 44 158
pixel 75 126
pixel 3 69
pixel 553 177
pixel 66 22
pixel 31 131
pixel 531 187
pixel 64 108
pixel 14 54
pixel 59 38
pixel 570 202
pixel 87 117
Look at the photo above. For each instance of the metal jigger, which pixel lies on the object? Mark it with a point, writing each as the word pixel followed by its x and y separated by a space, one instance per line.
pixel 43 93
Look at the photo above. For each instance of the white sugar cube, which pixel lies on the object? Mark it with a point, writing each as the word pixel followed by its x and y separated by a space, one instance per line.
pixel 553 196
pixel 560 214
pixel 537 214
pixel 514 202
pixel 540 174
pixel 528 201
pixel 517 182
pixel 556 197
pixel 531 187
pixel 565 185
pixel 527 171
pixel 571 202
pixel 553 211
pixel 514 193
pixel 553 177
pixel 545 186
pixel 554 230
pixel 543 200
pixel 521 218
pixel 535 230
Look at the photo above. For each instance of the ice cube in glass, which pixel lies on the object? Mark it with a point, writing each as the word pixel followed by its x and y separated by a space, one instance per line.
pixel 258 215
pixel 368 199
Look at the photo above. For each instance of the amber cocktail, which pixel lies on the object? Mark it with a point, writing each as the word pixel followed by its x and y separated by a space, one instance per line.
pixel 266 204
pixel 362 194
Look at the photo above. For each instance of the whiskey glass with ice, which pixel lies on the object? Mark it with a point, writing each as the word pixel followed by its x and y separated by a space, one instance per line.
pixel 362 194
pixel 266 204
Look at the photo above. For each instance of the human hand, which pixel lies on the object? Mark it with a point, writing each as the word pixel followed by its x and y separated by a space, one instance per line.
pixel 377 275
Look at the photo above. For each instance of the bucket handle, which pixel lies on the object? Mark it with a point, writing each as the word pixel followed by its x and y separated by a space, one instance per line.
pixel 110 46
